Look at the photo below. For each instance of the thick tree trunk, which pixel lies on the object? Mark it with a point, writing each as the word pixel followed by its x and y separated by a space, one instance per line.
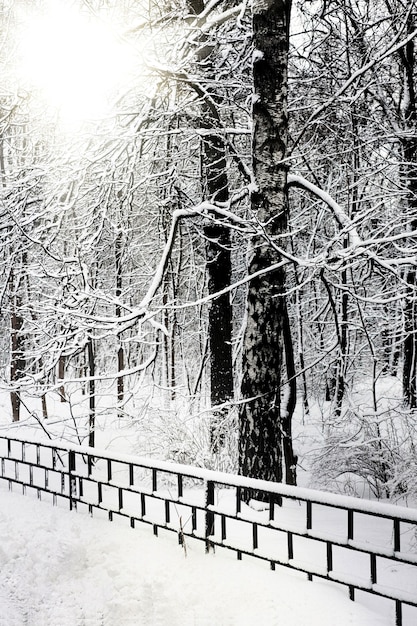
pixel 219 268
pixel 218 251
pixel 260 436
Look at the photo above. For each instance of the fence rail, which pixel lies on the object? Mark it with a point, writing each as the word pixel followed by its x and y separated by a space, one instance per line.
pixel 367 547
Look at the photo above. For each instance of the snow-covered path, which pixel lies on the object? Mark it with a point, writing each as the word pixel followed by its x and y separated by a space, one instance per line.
pixel 59 568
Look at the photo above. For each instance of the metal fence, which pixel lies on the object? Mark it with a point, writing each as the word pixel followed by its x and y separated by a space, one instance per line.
pixel 368 547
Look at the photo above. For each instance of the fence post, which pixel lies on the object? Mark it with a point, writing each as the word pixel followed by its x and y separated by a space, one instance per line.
pixel 71 478
pixel 209 515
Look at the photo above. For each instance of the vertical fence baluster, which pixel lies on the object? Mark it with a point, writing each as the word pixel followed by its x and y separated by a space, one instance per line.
pixel 223 525
pixel 398 613
pixel 90 463
pixel 309 515
pixel 209 502
pixel 167 512
pixel 131 475
pixel 329 555
pixel 142 505
pixel 290 546
pixel 255 535
pixel 179 486
pixel 238 500
pixel 397 536
pixel 109 471
pixel 271 507
pixel 120 499
pixel 373 569
pixel 154 480
pixel 350 525
pixel 71 478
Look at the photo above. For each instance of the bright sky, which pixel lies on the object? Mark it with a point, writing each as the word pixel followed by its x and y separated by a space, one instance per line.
pixel 74 60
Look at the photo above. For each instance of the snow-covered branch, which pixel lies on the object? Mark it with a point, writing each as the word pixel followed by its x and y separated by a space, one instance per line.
pixel 341 216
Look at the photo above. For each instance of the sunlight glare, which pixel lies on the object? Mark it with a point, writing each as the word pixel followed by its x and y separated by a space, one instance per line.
pixel 75 61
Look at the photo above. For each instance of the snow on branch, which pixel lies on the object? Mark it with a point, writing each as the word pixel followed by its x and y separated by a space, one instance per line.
pixel 357 245
pixel 392 48
pixel 341 216
pixel 205 209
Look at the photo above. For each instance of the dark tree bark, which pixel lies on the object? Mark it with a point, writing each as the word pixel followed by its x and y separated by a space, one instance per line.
pixel 289 403
pixel 17 344
pixel 409 173
pixel 91 392
pixel 219 268
pixel 218 248
pixel 120 350
pixel 260 420
pixel 17 361
pixel 61 376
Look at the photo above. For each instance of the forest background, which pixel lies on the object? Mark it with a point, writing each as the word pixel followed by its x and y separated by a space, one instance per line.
pixel 208 228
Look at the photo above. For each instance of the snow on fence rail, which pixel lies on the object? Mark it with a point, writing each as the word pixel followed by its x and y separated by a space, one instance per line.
pixel 368 547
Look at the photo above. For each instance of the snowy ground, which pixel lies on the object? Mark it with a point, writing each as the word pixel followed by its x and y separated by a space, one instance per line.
pixel 59 568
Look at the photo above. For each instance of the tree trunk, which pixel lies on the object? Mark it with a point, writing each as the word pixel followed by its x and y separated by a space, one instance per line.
pixel 218 253
pixel 61 376
pixel 120 349
pixel 289 403
pixel 220 324
pixel 91 393
pixel 409 148
pixel 17 349
pixel 260 436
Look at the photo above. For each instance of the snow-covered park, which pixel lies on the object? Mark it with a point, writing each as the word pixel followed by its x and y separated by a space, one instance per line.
pixel 60 568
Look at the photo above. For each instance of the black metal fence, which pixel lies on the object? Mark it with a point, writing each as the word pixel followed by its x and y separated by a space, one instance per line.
pixel 367 547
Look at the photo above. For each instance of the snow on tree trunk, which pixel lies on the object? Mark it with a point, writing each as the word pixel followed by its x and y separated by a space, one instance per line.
pixel 260 436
